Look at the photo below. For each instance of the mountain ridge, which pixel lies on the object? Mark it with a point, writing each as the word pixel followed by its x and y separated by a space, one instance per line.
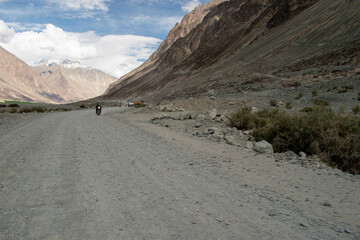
pixel 228 34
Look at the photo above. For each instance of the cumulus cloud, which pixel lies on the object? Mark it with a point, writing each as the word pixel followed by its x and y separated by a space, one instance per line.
pixel 190 5
pixel 113 54
pixel 6 33
pixel 82 4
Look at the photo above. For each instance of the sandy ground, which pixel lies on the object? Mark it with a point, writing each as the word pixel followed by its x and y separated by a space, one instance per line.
pixel 74 175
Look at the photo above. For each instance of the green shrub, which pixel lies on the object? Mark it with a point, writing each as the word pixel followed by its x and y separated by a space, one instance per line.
pixel 306 109
pixel 2 105
pixel 63 109
pixel 3 111
pixel 349 87
pixel 33 109
pixel 272 102
pixel 288 105
pixel 244 119
pixel 333 137
pixel 300 95
pixel 342 90
pixel 82 106
pixel 314 93
pixel 13 110
pixel 356 109
pixel 14 105
pixel 321 102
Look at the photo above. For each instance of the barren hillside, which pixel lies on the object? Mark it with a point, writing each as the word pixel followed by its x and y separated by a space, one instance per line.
pixel 247 45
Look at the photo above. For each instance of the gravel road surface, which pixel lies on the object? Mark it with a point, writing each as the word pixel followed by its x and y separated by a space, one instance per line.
pixel 75 175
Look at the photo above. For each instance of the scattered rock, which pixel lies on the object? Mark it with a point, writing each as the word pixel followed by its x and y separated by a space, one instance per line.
pixel 213 114
pixel 201 117
pixel 302 155
pixel 254 110
pixel 185 115
pixel 326 204
pixel 212 98
pixel 263 147
pixel 197 125
pixel 249 145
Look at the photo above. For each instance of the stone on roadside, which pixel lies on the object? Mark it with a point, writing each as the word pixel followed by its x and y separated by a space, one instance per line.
pixel 213 114
pixel 302 155
pixel 223 118
pixel 201 117
pixel 249 145
pixel 185 115
pixel 263 147
pixel 197 125
pixel 254 110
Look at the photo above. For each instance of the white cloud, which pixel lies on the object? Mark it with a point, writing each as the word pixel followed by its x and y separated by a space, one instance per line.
pixel 82 4
pixel 190 5
pixel 6 33
pixel 26 27
pixel 113 54
pixel 161 23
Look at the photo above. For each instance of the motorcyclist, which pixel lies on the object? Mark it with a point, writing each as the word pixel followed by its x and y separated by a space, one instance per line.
pixel 98 106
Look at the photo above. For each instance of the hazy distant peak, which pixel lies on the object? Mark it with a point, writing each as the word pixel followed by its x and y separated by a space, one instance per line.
pixel 64 63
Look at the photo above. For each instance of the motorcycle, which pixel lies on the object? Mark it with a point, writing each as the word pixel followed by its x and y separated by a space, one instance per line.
pixel 98 110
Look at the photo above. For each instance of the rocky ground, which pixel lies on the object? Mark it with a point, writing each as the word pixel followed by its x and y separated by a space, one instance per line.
pixel 74 175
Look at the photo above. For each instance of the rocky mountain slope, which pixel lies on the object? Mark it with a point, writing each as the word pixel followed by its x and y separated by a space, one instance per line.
pixel 49 82
pixel 18 81
pixel 251 45
pixel 73 81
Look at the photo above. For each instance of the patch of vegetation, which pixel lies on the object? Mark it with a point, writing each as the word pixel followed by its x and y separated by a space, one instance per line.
pixel 358 97
pixel 272 102
pixel 300 95
pixel 288 105
pixel 348 87
pixel 321 102
pixel 3 105
pixel 139 105
pixel 306 109
pixel 314 93
pixel 356 109
pixel 3 111
pixel 342 90
pixel 14 105
pixel 13 110
pixel 63 109
pixel 82 106
pixel 33 109
pixel 334 137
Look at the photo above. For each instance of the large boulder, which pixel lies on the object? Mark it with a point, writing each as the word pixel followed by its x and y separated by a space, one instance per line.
pixel 263 147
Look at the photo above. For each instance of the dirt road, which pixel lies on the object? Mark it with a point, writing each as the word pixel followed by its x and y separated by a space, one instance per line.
pixel 75 175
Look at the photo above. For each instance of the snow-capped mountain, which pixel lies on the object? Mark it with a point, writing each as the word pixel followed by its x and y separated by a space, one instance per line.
pixel 72 80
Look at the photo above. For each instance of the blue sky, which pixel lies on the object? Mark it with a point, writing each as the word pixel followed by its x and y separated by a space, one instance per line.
pixel 112 35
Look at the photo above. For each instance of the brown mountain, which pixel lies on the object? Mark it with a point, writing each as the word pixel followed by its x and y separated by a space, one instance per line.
pixel 18 81
pixel 73 81
pixel 242 42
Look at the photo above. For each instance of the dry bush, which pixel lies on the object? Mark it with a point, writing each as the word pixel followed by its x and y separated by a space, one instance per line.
pixel 300 95
pixel 13 110
pixel 333 137
pixel 14 105
pixel 272 102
